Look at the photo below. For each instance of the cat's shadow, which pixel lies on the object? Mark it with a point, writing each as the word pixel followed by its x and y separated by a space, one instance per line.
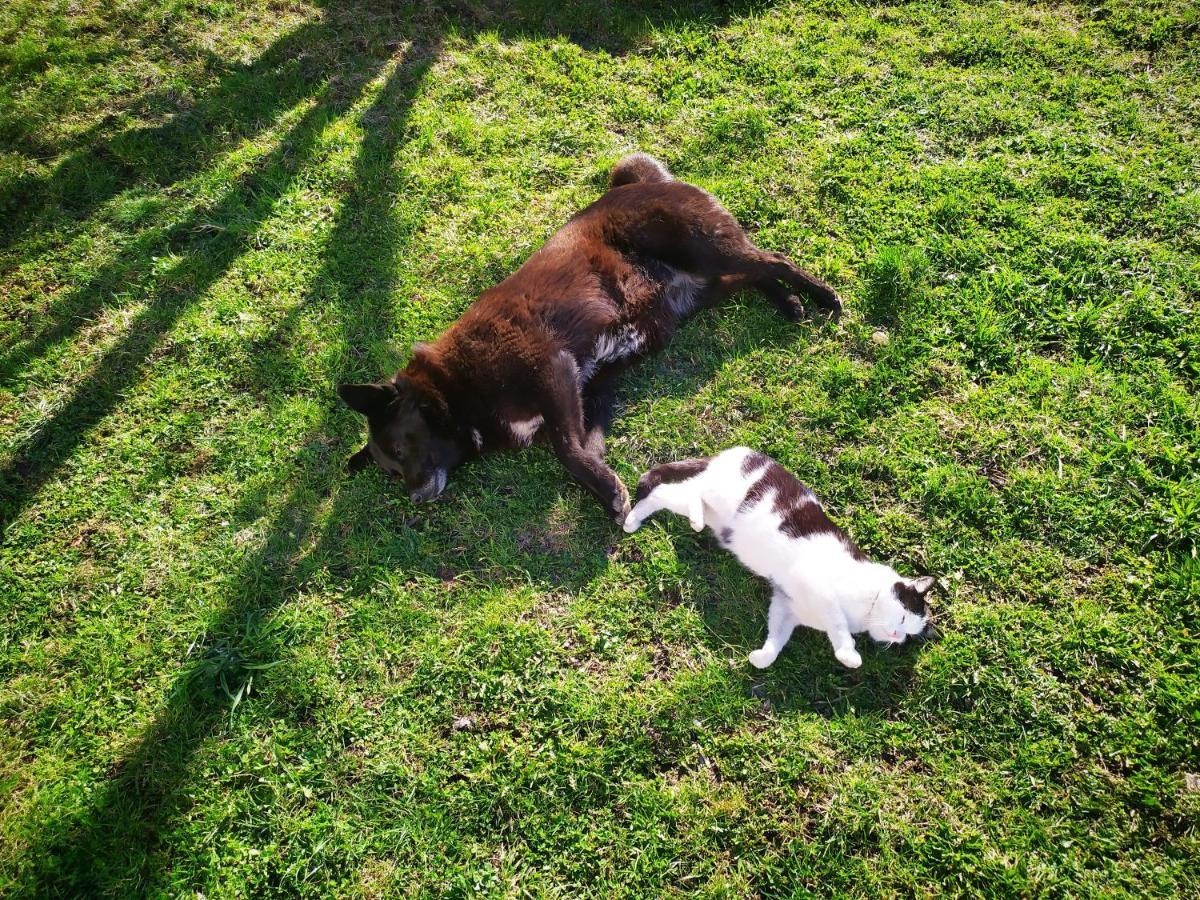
pixel 806 678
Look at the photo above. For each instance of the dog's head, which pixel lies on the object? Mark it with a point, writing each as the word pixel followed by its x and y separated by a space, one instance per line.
pixel 409 434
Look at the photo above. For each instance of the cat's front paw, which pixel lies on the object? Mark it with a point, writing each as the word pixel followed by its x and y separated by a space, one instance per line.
pixel 760 659
pixel 632 523
pixel 849 657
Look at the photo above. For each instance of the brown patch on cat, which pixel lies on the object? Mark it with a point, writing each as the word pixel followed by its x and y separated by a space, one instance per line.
pixel 796 505
pixel 754 461
pixel 913 600
pixel 668 473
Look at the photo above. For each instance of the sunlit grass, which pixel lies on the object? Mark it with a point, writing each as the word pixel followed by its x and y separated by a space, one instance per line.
pixel 226 668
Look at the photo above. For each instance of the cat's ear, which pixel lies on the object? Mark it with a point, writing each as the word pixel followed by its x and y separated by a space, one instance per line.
pixel 920 585
pixel 368 399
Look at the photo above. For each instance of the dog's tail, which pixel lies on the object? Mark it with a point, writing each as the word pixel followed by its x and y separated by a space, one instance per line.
pixel 637 167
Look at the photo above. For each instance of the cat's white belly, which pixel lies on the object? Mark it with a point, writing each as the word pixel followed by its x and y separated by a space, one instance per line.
pixel 758 543
pixel 808 570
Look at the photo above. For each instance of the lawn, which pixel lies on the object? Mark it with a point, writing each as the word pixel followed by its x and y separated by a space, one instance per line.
pixel 227 669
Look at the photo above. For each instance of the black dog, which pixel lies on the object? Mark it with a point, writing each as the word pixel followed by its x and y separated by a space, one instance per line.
pixel 542 349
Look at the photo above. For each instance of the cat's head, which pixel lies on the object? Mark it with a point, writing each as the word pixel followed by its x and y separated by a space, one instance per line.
pixel 901 611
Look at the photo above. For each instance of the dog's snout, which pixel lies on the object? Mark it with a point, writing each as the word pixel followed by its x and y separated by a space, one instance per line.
pixel 430 489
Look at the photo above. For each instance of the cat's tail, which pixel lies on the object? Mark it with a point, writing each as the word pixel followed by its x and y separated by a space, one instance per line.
pixel 638 167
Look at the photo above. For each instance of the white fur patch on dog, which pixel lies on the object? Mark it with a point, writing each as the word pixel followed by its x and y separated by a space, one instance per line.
pixel 680 293
pixel 614 346
pixel 524 430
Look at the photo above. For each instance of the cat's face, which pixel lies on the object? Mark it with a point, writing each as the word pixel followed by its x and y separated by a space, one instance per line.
pixel 901 614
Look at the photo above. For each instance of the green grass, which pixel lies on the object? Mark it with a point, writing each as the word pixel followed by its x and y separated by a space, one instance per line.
pixel 226 669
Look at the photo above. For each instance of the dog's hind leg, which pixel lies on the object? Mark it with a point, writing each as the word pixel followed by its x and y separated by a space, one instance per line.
pixel 724 286
pixel 732 257
pixel 777 267
pixel 599 405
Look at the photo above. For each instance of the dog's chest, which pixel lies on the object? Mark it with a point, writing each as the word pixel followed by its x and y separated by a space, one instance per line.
pixel 677 295
pixel 618 344
pixel 612 346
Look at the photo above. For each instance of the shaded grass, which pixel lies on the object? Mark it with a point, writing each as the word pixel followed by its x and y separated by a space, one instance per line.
pixel 228 669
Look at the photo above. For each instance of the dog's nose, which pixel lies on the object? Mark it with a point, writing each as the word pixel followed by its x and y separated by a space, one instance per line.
pixel 430 489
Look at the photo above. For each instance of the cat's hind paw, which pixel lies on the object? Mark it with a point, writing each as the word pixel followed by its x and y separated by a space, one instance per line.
pixel 760 659
pixel 849 657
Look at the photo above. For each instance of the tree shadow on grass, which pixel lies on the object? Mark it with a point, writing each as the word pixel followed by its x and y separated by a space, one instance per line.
pixel 328 63
pixel 350 44
pixel 225 230
pixel 114 844
pixel 113 847
pixel 244 101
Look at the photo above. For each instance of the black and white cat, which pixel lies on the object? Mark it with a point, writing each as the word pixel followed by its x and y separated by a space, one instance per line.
pixel 777 528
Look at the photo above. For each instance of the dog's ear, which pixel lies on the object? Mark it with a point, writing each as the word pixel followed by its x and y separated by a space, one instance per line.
pixel 430 403
pixel 358 461
pixel 368 399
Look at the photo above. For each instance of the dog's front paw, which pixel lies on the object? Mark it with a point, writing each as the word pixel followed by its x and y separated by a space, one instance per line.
pixel 760 659
pixel 849 657
pixel 620 504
